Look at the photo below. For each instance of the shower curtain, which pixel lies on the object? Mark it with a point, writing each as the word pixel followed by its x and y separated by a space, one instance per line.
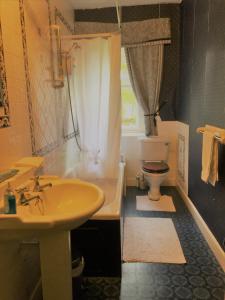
pixel 98 103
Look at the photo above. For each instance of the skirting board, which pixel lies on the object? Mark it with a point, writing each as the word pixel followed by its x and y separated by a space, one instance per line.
pixel 211 240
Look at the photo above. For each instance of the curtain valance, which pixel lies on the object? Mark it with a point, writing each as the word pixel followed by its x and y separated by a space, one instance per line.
pixel 132 33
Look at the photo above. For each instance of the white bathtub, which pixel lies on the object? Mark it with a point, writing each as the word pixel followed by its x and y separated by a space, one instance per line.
pixel 113 190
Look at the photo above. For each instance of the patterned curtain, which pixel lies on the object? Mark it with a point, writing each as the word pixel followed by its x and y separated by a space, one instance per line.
pixel 145 64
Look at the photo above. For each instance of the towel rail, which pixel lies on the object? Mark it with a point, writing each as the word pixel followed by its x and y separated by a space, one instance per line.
pixel 217 136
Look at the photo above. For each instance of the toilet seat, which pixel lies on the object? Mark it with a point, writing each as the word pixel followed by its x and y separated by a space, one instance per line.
pixel 155 167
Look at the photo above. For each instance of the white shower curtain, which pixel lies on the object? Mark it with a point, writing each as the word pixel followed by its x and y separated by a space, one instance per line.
pixel 98 100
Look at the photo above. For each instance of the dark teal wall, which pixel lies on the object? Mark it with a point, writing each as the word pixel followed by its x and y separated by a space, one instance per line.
pixel 202 99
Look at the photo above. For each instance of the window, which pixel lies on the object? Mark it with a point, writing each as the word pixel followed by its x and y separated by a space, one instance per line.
pixel 132 117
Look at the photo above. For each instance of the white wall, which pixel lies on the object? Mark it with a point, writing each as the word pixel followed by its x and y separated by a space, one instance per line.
pixel 129 149
pixel 66 9
pixel 169 130
pixel 14 140
pixel 182 156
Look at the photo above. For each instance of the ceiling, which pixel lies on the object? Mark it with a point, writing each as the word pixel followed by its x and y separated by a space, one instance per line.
pixel 82 4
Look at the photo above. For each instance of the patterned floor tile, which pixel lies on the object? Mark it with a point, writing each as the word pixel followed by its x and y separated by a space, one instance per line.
pixel 200 279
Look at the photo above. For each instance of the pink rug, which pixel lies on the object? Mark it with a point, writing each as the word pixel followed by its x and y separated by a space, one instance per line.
pixel 151 240
pixel 164 204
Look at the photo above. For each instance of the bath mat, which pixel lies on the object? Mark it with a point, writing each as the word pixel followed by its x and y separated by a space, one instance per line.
pixel 151 240
pixel 164 204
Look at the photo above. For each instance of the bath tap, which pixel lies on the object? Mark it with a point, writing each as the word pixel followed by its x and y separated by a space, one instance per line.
pixel 23 199
pixel 38 187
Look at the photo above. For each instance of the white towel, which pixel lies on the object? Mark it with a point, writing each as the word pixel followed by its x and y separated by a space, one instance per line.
pixel 209 158
pixel 213 176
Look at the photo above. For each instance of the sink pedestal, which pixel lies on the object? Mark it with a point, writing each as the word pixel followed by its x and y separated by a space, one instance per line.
pixel 56 270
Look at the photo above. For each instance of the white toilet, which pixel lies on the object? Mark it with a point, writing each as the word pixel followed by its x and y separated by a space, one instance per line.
pixel 154 154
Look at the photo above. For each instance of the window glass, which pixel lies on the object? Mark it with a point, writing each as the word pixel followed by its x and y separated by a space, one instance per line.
pixel 130 109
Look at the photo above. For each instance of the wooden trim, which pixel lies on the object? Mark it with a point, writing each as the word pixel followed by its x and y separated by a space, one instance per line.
pixel 206 232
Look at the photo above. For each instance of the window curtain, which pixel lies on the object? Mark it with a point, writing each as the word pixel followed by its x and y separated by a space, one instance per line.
pixel 145 64
pixel 98 101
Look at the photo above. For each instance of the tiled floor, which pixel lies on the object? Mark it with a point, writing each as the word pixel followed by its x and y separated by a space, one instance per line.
pixel 200 278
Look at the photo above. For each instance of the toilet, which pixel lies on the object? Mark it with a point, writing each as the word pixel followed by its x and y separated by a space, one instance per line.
pixel 153 156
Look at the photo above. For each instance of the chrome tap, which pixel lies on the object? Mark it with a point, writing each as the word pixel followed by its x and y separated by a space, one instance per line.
pixel 23 199
pixel 38 187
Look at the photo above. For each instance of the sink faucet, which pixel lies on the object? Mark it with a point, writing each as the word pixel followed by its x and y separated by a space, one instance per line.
pixel 38 187
pixel 23 199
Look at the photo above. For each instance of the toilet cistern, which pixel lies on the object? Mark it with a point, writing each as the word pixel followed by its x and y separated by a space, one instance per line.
pixel 153 155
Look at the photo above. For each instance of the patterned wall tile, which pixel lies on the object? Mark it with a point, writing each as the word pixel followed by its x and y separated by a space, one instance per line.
pixel 26 68
pixel 16 137
pixel 68 109
pixel 47 105
pixel 59 15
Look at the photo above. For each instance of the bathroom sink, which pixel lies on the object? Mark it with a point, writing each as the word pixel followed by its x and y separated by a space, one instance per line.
pixel 64 206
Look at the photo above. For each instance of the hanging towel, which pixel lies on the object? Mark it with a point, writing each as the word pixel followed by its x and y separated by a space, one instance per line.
pixel 213 175
pixel 209 157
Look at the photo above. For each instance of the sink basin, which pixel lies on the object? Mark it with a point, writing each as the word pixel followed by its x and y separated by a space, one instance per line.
pixel 64 206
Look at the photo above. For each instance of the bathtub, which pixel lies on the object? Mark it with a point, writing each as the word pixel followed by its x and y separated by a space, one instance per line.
pixel 99 239
pixel 113 190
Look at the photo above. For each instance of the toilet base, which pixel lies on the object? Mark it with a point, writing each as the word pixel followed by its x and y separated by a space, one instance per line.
pixel 154 181
pixel 154 194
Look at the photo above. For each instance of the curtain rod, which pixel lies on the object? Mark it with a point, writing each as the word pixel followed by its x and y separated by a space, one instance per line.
pixel 118 13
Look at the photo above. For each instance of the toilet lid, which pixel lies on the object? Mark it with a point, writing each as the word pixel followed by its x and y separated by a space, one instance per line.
pixel 155 167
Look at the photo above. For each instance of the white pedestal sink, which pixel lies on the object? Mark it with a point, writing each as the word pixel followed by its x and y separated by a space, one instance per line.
pixel 64 206
pixel 56 269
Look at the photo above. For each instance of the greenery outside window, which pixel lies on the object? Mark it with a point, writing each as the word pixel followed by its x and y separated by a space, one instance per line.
pixel 132 116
